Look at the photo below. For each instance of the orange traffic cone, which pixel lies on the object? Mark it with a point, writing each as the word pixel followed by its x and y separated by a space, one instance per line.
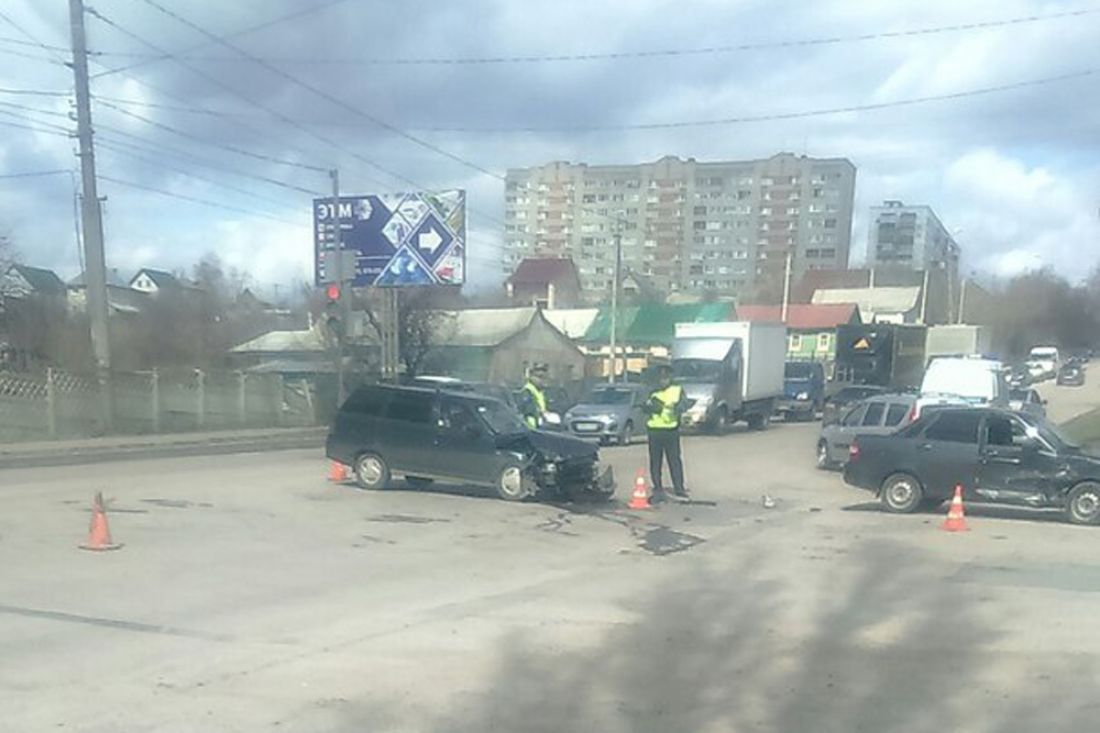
pixel 99 534
pixel 640 498
pixel 338 472
pixel 956 519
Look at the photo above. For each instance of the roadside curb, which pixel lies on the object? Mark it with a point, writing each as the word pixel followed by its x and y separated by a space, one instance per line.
pixel 136 447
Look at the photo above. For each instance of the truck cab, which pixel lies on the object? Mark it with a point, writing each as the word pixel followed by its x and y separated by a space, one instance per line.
pixel 803 390
pixel 730 370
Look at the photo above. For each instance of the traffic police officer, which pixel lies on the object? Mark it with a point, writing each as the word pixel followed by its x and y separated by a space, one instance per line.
pixel 665 406
pixel 534 403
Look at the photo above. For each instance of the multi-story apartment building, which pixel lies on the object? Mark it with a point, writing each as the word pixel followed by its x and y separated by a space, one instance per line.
pixel 911 237
pixel 689 226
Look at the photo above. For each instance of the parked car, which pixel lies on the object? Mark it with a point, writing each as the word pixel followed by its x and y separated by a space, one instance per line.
pixel 845 397
pixel 433 434
pixel 1027 400
pixel 963 380
pixel 1017 376
pixel 996 456
pixel 1071 375
pixel 610 412
pixel 803 390
pixel 877 415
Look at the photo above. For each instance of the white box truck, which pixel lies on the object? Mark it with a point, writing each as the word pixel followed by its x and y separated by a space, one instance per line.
pixel 957 340
pixel 732 370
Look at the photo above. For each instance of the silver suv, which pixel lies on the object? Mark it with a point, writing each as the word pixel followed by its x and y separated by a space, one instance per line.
pixel 877 415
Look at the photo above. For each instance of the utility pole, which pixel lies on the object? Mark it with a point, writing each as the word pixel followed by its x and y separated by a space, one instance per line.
pixel 618 239
pixel 339 277
pixel 95 264
pixel 786 288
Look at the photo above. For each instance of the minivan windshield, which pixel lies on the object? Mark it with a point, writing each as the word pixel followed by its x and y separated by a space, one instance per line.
pixel 500 418
pixel 608 396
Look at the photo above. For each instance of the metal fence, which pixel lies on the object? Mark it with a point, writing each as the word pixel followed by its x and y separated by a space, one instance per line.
pixel 58 405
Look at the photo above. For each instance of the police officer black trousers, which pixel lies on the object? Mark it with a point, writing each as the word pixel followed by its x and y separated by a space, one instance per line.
pixel 665 443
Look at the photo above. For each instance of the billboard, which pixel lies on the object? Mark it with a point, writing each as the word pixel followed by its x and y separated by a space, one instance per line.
pixel 398 239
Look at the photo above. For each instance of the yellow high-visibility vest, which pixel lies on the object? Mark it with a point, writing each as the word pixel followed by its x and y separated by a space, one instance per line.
pixel 667 418
pixel 540 402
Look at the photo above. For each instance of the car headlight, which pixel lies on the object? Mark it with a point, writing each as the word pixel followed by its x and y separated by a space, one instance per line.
pixel 612 425
pixel 802 396
pixel 551 418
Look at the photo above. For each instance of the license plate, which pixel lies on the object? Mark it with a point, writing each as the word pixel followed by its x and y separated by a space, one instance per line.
pixel 587 427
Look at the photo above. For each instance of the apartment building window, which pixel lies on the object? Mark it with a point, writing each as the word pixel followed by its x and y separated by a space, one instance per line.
pixel 813 253
pixel 745 181
pixel 766 210
pixel 828 253
pixel 744 195
pixel 700 211
pixel 819 192
pixel 740 254
pixel 651 243
pixel 509 215
pixel 830 223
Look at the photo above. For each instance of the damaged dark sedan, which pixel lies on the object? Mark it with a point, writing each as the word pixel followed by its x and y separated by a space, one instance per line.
pixel 428 435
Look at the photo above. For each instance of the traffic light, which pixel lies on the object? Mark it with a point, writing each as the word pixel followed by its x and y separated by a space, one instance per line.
pixel 334 314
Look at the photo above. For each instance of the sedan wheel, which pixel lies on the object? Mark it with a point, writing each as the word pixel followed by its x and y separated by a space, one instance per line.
pixel 901 494
pixel 371 471
pixel 1083 504
pixel 512 485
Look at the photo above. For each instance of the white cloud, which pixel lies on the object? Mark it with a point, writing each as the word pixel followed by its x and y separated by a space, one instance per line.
pixel 1016 217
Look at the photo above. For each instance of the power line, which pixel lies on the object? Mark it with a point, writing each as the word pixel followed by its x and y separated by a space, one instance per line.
pixel 871 106
pixel 158 163
pixel 33 174
pixel 154 148
pixel 34 92
pixel 193 199
pixel 222 85
pixel 323 94
pixel 32 38
pixel 164 55
pixel 588 56
pixel 230 148
pixel 278 115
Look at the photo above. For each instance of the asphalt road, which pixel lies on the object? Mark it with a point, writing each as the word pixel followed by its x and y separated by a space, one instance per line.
pixel 251 595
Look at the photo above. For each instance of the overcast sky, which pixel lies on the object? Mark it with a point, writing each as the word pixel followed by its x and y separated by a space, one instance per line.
pixel 1016 173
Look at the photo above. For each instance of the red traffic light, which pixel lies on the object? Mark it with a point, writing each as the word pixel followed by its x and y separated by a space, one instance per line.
pixel 333 292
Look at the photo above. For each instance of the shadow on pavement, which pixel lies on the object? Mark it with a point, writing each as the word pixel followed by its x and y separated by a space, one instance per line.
pixel 887 649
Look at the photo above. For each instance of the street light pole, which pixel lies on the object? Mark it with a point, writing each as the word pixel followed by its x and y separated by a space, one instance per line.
pixel 618 239
pixel 339 277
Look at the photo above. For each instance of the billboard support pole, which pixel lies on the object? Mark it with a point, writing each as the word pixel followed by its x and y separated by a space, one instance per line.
pixel 341 280
pixel 611 374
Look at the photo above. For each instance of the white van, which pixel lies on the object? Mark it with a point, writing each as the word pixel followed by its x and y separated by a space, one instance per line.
pixel 1043 362
pixel 963 381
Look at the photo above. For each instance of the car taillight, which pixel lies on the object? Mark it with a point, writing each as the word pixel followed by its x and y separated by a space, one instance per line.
pixel 853 451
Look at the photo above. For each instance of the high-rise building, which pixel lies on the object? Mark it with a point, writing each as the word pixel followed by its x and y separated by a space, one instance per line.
pixel 911 237
pixel 688 226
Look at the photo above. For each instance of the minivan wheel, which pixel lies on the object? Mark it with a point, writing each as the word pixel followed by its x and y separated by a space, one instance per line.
pixel 1083 503
pixel 512 485
pixel 371 471
pixel 901 494
pixel 823 461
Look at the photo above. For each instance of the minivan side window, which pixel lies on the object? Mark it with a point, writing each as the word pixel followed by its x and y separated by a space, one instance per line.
pixel 896 413
pixel 874 414
pixel 955 427
pixel 366 402
pixel 412 407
